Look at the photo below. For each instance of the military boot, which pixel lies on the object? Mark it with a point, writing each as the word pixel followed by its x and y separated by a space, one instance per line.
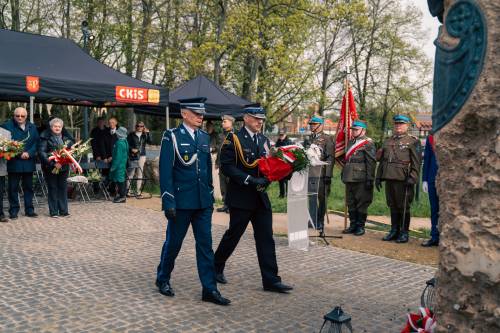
pixel 353 220
pixel 403 236
pixel 394 233
pixel 360 230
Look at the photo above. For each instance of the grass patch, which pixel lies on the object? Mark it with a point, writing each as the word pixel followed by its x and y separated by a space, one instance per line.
pixel 420 208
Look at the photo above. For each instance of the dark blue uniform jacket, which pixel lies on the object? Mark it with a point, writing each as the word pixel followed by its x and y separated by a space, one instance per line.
pixel 30 137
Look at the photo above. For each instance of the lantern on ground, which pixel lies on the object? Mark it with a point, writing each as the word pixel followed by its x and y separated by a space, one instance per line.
pixel 336 321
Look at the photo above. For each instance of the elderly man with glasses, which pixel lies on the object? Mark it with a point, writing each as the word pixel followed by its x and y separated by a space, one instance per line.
pixel 21 167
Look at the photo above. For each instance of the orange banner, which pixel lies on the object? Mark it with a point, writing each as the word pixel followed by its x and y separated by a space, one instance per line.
pixel 137 95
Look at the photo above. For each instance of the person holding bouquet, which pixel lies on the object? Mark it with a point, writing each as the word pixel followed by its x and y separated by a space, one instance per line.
pixel 118 171
pixel 56 174
pixel 21 167
pixel 247 199
pixel 4 135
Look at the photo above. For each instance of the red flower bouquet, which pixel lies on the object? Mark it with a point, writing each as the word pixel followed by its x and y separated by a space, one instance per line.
pixel 282 162
pixel 10 148
pixel 424 322
pixel 69 156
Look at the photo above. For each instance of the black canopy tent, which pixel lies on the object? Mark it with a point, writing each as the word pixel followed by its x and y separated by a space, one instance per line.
pixel 219 101
pixel 57 71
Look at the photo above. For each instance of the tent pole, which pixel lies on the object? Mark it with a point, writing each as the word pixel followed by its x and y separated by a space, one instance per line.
pixel 85 123
pixel 167 114
pixel 32 108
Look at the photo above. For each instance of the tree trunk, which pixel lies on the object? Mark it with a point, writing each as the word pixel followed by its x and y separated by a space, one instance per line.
pixel 220 27
pixel 144 37
pixel 16 20
pixel 129 54
pixel 386 95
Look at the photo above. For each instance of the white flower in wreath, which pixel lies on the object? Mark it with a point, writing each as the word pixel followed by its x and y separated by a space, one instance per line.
pixel 314 153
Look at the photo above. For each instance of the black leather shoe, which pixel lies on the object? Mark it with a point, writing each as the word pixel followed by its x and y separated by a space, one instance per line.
pixel 215 297
pixel 13 217
pixel 3 219
pixel 360 231
pixel 32 214
pixel 392 235
pixel 430 242
pixel 403 238
pixel 223 209
pixel 278 287
pixel 220 278
pixel 165 288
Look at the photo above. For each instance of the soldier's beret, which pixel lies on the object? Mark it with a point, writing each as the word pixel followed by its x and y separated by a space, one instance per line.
pixel 401 119
pixel 228 117
pixel 316 120
pixel 359 123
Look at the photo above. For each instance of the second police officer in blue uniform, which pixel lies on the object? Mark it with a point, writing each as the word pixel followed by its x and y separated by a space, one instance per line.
pixel 187 198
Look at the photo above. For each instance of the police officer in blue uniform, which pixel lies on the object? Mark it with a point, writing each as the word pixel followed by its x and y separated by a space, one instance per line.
pixel 187 198
pixel 247 199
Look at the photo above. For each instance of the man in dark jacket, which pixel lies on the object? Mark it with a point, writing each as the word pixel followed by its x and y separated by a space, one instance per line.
pixel 137 142
pixel 248 201
pixel 282 141
pixel 21 167
pixel 98 135
pixel 429 173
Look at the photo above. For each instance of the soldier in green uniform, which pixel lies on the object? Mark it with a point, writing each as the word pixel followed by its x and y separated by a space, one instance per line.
pixel 399 168
pixel 320 178
pixel 227 128
pixel 358 175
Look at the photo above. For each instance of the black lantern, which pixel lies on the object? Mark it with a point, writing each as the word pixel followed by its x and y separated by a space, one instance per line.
pixel 336 321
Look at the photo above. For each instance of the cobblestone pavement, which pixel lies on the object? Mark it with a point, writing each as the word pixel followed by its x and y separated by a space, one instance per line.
pixel 95 272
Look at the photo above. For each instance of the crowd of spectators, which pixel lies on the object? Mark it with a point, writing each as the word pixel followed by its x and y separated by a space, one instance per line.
pixel 119 155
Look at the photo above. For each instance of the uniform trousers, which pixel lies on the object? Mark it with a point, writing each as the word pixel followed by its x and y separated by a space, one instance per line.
pixel 434 203
pixel 317 205
pixel 2 191
pixel 26 178
pixel 223 181
pixel 395 191
pixel 262 223
pixel 201 222
pixel 358 197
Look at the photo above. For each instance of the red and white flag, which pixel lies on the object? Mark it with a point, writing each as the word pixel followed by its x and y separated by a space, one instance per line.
pixel 347 116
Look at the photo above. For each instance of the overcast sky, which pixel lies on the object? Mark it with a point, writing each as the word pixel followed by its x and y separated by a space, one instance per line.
pixel 431 26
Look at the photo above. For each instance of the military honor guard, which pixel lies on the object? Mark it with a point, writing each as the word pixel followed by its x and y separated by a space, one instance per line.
pixel 320 177
pixel 227 129
pixel 187 198
pixel 358 175
pixel 399 168
pixel 247 199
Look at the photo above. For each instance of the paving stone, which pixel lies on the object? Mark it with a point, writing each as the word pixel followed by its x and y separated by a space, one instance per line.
pixel 95 272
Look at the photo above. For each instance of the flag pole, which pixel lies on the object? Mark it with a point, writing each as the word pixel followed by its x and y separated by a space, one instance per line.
pixel 346 135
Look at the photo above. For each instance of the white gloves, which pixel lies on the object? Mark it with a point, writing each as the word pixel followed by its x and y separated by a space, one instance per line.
pixel 425 187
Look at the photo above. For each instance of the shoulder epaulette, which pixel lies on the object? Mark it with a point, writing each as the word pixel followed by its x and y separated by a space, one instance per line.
pixel 202 131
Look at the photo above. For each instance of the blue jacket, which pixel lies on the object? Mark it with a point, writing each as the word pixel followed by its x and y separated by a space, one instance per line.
pixel 30 138
pixel 430 162
pixel 185 186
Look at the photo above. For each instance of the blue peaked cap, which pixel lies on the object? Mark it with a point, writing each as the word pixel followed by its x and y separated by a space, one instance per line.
pixel 316 120
pixel 401 119
pixel 255 110
pixel 359 123
pixel 196 104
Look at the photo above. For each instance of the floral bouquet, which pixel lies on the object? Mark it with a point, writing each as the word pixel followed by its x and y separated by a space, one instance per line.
pixel 10 148
pixel 282 162
pixel 424 322
pixel 69 156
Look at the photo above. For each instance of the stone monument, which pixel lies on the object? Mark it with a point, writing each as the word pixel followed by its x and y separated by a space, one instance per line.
pixel 466 121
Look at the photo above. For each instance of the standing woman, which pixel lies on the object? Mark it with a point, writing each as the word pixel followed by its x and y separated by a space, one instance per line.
pixel 55 174
pixel 118 170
